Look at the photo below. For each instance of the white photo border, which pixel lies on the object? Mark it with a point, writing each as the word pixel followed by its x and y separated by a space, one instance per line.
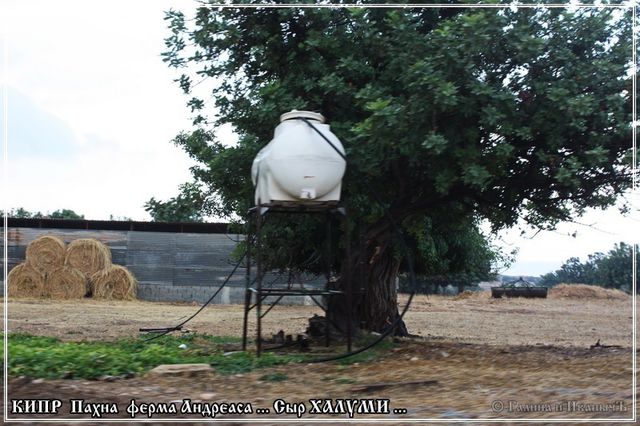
pixel 5 137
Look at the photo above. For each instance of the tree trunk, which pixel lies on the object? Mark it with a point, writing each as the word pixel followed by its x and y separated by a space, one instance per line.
pixel 373 270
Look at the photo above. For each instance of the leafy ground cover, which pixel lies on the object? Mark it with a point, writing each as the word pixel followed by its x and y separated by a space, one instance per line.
pixel 51 358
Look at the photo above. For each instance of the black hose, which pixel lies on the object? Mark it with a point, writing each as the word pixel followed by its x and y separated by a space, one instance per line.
pixel 168 330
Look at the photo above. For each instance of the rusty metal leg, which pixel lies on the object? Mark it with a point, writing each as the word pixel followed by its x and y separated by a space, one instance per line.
pixel 327 330
pixel 259 280
pixel 247 295
pixel 349 279
pixel 247 304
pixel 328 260
pixel 328 275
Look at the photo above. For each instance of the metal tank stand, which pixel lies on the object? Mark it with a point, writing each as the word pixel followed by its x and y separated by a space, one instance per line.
pixel 256 292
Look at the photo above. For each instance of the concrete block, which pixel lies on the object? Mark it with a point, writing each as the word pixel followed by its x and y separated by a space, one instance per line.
pixel 182 370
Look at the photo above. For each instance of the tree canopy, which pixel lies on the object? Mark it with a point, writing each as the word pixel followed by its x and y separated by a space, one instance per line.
pixel 187 206
pixel 58 214
pixel 452 116
pixel 612 269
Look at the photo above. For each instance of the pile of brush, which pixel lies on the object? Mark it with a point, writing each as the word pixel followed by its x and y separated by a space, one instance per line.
pixel 83 268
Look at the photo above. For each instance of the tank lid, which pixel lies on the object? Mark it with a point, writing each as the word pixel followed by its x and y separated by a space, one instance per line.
pixel 302 114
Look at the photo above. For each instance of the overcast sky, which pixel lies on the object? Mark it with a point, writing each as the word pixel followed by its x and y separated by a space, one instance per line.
pixel 92 110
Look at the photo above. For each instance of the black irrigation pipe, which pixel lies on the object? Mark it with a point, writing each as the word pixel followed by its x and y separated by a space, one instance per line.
pixel 383 335
pixel 167 330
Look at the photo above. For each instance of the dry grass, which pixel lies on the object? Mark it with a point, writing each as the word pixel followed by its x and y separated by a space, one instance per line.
pixel 582 291
pixel 514 321
pixel 115 282
pixel 467 294
pixel 66 283
pixel 478 349
pixel 88 256
pixel 46 253
pixel 25 281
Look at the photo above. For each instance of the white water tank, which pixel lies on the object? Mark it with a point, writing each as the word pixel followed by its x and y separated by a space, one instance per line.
pixel 298 165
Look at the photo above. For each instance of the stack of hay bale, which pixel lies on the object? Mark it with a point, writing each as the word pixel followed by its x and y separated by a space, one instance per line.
pixel 82 269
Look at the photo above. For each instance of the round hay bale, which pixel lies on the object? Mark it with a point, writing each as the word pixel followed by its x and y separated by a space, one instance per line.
pixel 66 283
pixel 25 281
pixel 88 256
pixel 46 253
pixel 115 282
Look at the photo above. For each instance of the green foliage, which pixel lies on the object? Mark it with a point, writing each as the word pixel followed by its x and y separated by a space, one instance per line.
pixel 120 218
pixel 274 377
pixel 49 358
pixel 58 214
pixel 65 214
pixel 612 270
pixel 369 355
pixel 456 253
pixel 450 115
pixel 188 206
pixel 21 213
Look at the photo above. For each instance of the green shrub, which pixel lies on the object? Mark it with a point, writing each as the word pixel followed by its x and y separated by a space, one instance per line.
pixel 50 358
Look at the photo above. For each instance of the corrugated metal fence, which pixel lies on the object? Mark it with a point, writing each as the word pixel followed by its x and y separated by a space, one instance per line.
pixel 169 266
pixel 174 266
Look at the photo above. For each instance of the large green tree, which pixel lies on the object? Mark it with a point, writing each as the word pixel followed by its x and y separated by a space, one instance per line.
pixel 451 116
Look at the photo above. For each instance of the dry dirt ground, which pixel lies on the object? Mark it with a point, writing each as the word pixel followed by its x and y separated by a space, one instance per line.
pixel 476 358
